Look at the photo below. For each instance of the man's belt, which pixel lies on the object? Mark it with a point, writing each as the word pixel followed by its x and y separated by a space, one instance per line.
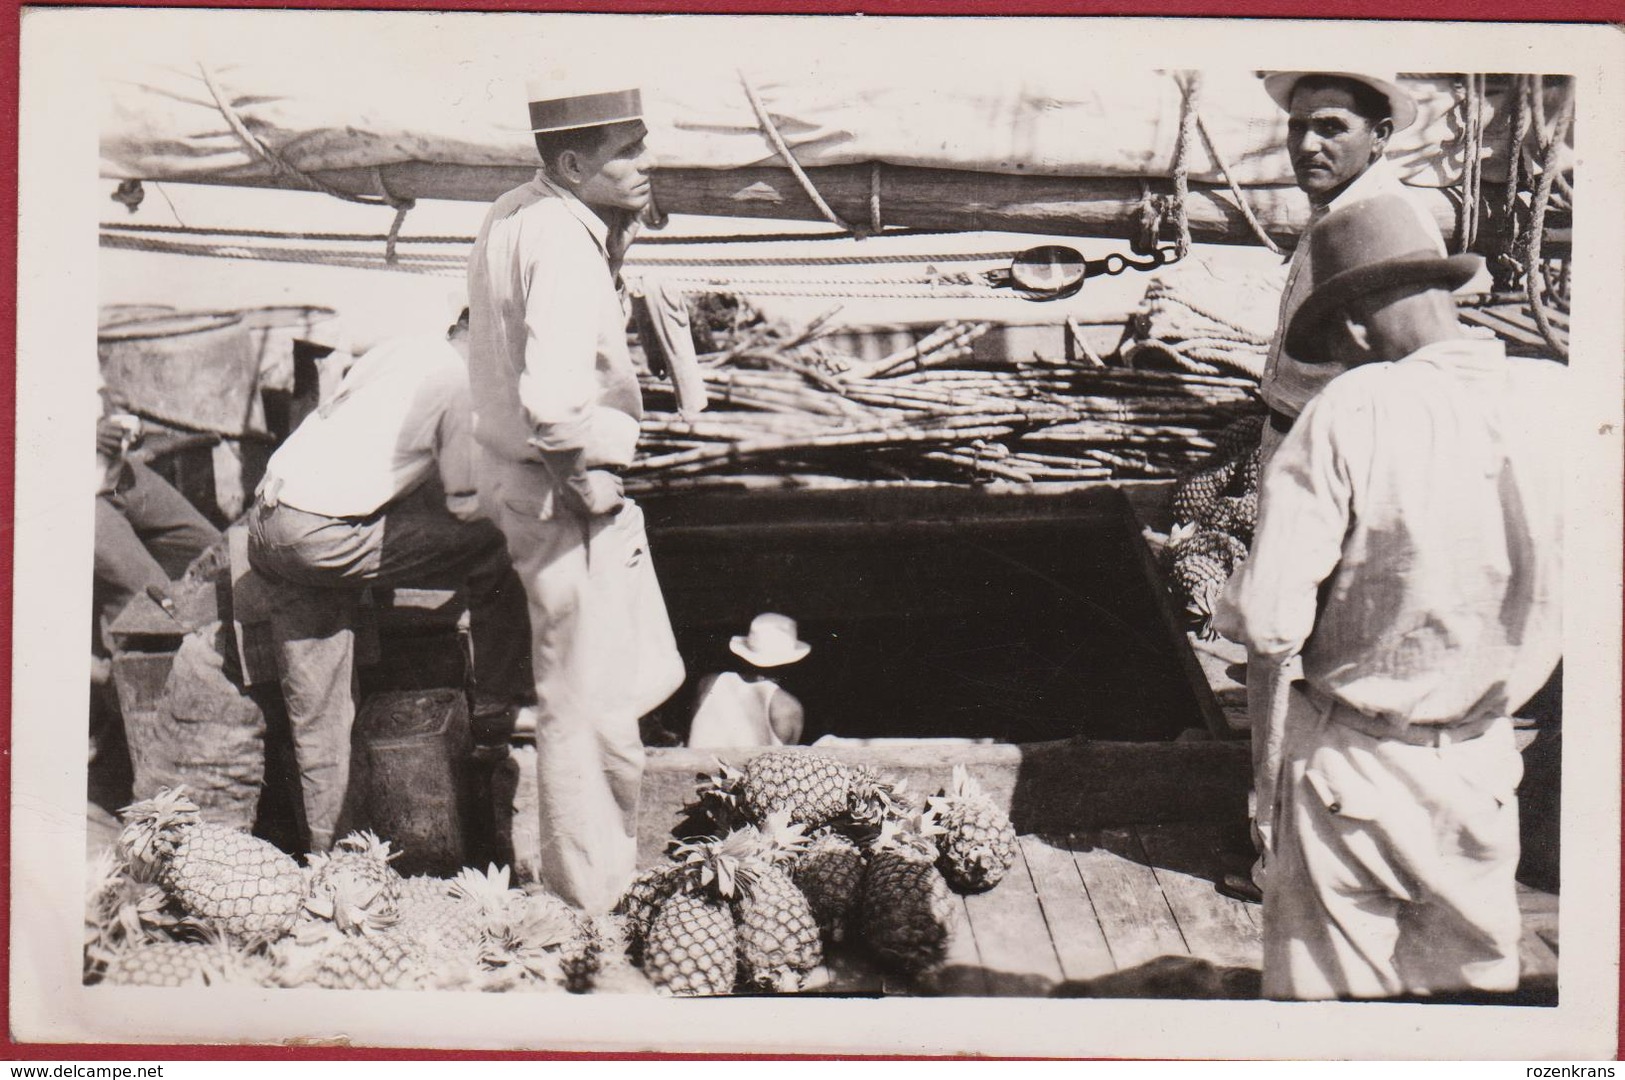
pixel 1414 734
pixel 1281 422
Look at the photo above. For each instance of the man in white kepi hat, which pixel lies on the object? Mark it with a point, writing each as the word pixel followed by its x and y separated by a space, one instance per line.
pixel 1338 127
pixel 556 414
pixel 750 708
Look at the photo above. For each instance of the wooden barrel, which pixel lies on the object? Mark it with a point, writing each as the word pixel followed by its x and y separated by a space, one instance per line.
pixel 194 371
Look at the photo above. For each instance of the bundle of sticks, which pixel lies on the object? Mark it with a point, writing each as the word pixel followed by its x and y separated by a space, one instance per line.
pixel 789 409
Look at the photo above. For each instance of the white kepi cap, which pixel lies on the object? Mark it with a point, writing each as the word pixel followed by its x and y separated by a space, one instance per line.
pixel 1401 105
pixel 772 641
pixel 581 108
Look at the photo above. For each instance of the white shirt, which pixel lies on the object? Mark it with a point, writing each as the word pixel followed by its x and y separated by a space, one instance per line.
pixel 1288 384
pixel 549 368
pixel 401 411
pixel 1411 537
pixel 733 712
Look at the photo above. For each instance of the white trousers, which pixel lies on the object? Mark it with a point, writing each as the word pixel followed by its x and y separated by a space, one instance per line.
pixel 604 654
pixel 1394 863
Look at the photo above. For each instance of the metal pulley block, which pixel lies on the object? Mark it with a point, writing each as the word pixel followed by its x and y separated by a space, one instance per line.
pixel 1054 271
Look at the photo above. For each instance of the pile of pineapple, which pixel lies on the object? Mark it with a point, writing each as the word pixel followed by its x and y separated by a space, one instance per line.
pixel 1215 509
pixel 802 852
pixel 179 901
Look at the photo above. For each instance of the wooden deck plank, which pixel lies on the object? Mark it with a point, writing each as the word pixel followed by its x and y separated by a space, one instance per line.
pixel 963 975
pixel 1536 960
pixel 1133 914
pixel 1080 945
pixel 846 970
pixel 1185 857
pixel 1012 936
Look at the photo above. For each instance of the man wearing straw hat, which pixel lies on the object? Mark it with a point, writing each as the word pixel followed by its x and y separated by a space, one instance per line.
pixel 1409 546
pixel 1338 127
pixel 557 409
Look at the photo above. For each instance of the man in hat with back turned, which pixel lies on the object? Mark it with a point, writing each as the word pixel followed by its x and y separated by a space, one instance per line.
pixel 1409 546
pixel 1338 127
pixel 557 409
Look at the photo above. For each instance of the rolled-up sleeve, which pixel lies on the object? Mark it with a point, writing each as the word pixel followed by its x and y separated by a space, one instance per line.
pixel 1270 602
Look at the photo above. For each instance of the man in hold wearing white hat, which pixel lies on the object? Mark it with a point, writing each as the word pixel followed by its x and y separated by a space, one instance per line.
pixel 1339 124
pixel 556 414
pixel 1409 545
pixel 376 487
pixel 751 708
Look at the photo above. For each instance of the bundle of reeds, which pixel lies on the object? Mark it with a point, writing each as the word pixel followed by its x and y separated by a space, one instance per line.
pixel 787 409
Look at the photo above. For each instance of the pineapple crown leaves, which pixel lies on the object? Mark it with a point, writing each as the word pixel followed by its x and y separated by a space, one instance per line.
pixel 722 867
pixel 368 843
pixel 489 891
pixel 873 799
pixel 351 905
pixel 781 840
pixel 718 801
pixel 1181 534
pixel 151 820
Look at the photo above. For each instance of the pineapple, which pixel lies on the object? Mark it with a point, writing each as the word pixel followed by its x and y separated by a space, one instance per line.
pixel 164 963
pixel 527 940
pixel 428 911
pixel 386 960
pixel 975 838
pixel 873 800
pixel 779 939
pixel 812 787
pixel 237 883
pixel 718 806
pixel 907 911
pixel 1195 493
pixel 359 861
pixel 642 900
pixel 830 874
pixel 692 946
pixel 1202 560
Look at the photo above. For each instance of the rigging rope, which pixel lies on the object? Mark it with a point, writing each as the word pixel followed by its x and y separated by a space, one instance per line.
pixel 783 149
pixel 1536 282
pixel 290 172
pixel 646 260
pixel 1190 88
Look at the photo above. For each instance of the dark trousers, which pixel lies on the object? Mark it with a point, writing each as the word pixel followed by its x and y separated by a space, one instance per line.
pixel 321 564
pixel 146 534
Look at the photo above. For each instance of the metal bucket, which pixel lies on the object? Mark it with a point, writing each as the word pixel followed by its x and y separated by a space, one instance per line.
pixel 194 371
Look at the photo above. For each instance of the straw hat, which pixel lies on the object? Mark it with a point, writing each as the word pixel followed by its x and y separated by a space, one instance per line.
pixel 772 641
pixel 582 108
pixel 1401 105
pixel 1371 245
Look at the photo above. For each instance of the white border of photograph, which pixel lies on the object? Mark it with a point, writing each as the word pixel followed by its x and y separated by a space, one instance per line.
pixel 60 105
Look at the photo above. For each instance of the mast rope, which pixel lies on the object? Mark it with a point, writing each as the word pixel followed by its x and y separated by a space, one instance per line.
pixel 288 171
pixel 771 130
pixel 1536 282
